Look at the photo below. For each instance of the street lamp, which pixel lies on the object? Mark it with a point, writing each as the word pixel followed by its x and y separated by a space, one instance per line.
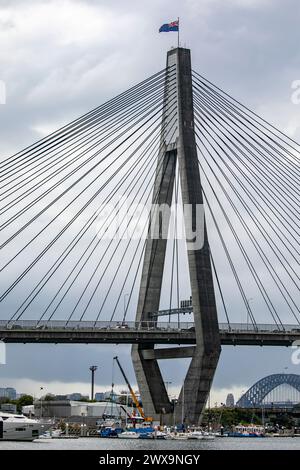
pixel 93 370
pixel 167 383
pixel 175 402
pixel 41 400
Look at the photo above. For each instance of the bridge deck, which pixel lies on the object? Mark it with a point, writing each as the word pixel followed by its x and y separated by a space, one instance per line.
pixel 145 332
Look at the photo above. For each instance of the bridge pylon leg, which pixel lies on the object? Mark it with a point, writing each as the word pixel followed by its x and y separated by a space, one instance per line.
pixel 198 381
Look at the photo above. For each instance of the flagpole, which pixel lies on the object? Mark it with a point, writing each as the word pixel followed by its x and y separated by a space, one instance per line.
pixel 178 32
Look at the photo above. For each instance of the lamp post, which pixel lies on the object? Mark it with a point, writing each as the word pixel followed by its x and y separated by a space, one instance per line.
pixel 93 370
pixel 41 401
pixel 174 411
pixel 167 383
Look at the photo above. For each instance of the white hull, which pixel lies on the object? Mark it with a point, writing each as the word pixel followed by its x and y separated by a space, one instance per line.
pixel 19 428
pixel 128 435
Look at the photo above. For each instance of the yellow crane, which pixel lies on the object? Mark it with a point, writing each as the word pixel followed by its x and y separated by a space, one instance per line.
pixel 133 395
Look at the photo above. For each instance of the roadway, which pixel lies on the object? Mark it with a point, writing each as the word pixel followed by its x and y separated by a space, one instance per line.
pixel 145 332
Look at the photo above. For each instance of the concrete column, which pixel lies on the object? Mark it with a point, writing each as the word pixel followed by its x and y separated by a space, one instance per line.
pixel 204 362
pixel 206 352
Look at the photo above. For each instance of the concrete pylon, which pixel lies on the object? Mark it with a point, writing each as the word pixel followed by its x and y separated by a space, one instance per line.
pixel 205 354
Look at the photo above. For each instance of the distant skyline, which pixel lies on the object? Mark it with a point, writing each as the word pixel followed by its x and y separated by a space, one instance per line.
pixel 60 59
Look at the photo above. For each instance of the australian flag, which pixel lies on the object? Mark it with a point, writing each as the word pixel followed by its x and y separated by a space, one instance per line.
pixel 165 28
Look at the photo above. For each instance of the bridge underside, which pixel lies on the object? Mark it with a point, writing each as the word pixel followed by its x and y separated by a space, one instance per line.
pixel 181 337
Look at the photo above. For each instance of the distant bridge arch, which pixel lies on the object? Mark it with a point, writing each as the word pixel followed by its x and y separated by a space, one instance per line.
pixel 256 394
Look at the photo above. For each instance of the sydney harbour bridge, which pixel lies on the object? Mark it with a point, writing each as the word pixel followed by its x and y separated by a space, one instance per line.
pixel 82 261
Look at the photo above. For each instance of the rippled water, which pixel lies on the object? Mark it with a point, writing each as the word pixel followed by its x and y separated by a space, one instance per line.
pixel 278 443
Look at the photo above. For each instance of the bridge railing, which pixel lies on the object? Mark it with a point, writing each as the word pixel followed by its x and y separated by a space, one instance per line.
pixel 259 328
pixel 144 325
pixel 103 325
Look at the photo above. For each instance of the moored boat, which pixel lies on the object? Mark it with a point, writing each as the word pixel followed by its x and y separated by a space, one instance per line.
pixel 15 427
pixel 247 431
pixel 195 435
pixel 128 435
pixel 180 436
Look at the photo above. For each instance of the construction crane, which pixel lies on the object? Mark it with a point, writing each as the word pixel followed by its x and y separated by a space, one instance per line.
pixel 133 395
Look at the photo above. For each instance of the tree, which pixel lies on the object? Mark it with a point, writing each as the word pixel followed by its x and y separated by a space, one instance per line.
pixel 24 400
pixel 49 397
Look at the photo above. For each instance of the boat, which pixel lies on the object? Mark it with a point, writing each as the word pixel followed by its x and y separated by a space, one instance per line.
pixel 128 435
pixel 51 434
pixel 195 435
pixel 14 427
pixel 207 436
pixel 109 432
pixel 160 435
pixel 247 431
pixel 146 435
pixel 180 436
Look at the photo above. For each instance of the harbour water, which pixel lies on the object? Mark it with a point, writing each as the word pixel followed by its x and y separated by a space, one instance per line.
pixel 277 443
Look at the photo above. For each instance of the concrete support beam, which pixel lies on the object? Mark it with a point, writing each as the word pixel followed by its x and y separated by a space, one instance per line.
pixel 152 388
pixel 169 353
pixel 200 375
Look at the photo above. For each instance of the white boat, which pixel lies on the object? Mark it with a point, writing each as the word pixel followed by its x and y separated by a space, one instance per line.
pixel 208 436
pixel 51 434
pixel 15 427
pixel 180 436
pixel 195 435
pixel 128 435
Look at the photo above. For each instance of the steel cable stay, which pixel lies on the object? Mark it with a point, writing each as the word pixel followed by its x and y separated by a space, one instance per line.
pixel 241 139
pixel 37 200
pixel 155 197
pixel 231 264
pixel 258 162
pixel 235 104
pixel 249 263
pixel 257 188
pixel 107 126
pixel 66 226
pixel 92 251
pixel 89 159
pixel 145 140
pixel 266 262
pixel 283 162
pixel 266 238
pixel 110 103
pixel 100 126
pixel 74 242
pixel 145 230
pixel 263 154
pixel 264 214
pixel 288 157
pixel 220 290
pixel 121 122
pixel 142 126
pixel 261 253
pixel 107 264
pixel 99 239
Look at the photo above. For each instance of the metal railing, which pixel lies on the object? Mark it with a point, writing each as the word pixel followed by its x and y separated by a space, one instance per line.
pixel 137 326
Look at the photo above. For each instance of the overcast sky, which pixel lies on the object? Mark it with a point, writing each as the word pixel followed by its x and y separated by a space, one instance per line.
pixel 60 59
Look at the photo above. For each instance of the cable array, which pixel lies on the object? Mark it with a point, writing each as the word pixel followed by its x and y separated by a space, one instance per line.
pixel 63 226
pixel 73 235
pixel 250 173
